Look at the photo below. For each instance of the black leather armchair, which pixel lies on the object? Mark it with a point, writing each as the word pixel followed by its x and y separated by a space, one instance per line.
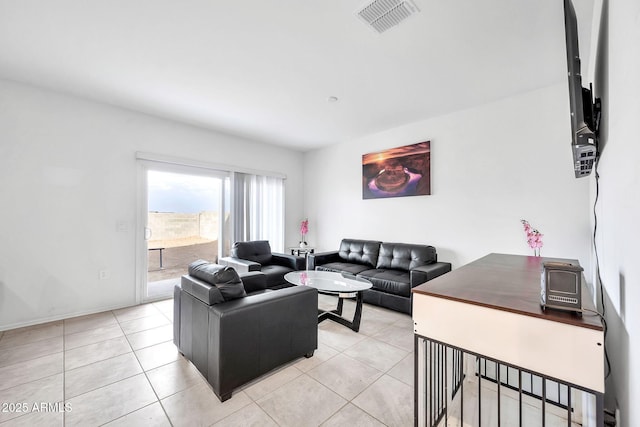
pixel 257 256
pixel 234 341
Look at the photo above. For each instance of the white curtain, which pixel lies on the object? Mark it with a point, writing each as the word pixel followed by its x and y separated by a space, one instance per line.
pixel 258 209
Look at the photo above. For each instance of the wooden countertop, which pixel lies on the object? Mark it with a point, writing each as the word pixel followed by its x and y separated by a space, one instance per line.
pixel 509 283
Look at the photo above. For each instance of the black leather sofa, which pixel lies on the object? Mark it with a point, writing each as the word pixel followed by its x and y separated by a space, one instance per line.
pixel 236 331
pixel 256 255
pixel 392 268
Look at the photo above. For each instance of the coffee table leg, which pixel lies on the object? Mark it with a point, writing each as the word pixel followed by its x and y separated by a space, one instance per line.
pixel 358 314
pixel 335 315
pixel 338 309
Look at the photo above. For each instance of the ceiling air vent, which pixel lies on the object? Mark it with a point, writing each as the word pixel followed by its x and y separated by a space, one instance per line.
pixel 382 15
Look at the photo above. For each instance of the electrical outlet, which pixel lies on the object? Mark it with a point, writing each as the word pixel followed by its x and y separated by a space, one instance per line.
pixel 104 274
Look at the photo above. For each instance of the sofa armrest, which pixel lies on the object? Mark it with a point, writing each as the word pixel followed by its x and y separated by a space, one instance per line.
pixel 292 261
pixel 424 273
pixel 320 258
pixel 240 265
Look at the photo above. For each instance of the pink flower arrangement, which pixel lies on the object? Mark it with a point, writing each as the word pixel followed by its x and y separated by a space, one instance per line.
pixel 534 237
pixel 304 229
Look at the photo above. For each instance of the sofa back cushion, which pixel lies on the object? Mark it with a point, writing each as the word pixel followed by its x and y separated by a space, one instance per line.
pixel 402 256
pixel 224 278
pixel 257 251
pixel 359 251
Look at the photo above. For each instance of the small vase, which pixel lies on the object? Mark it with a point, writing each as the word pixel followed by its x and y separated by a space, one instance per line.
pixel 303 245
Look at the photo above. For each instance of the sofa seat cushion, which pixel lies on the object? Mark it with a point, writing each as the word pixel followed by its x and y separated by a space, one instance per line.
pixel 396 282
pixel 275 274
pixel 343 267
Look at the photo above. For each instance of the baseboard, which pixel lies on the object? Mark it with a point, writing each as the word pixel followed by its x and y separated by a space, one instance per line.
pixel 63 316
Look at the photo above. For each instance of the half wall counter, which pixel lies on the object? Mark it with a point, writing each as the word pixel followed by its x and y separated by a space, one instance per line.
pixel 487 353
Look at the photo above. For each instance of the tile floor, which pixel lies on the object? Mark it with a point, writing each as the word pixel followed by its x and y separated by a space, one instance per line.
pixel 120 368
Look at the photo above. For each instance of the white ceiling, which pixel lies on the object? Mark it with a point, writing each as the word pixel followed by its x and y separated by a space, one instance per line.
pixel 264 69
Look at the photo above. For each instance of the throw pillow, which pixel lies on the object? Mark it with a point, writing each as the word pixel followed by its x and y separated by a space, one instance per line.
pixel 204 270
pixel 226 279
pixel 229 284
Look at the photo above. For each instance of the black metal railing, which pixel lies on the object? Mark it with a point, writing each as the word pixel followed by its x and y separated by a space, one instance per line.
pixel 554 393
pixel 440 382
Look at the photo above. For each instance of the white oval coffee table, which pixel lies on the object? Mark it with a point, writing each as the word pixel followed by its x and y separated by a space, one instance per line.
pixel 329 282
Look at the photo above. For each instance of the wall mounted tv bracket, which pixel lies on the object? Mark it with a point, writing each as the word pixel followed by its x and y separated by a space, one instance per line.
pixel 585 151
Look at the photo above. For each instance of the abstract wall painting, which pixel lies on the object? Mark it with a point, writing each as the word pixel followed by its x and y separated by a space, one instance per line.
pixel 397 172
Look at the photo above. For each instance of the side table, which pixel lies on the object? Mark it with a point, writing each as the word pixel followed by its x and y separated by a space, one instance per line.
pixel 302 252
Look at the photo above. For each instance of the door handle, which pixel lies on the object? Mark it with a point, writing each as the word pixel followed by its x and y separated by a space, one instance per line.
pixel 147 233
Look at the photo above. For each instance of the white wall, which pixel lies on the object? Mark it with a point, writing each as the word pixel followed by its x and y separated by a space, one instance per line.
pixel 68 175
pixel 490 167
pixel 618 236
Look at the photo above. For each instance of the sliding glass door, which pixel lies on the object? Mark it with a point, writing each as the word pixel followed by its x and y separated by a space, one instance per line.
pixel 186 217
pixel 189 210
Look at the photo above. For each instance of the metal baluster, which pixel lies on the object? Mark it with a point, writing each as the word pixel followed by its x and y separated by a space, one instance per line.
pixel 427 415
pixel 431 386
pixel 520 396
pixel 568 406
pixel 416 379
pixel 438 379
pixel 498 377
pixel 461 364
pixel 544 401
pixel 446 390
pixel 531 384
pixel 479 395
pixel 426 378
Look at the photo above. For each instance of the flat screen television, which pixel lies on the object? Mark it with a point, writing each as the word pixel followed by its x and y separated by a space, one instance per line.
pixel 585 113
